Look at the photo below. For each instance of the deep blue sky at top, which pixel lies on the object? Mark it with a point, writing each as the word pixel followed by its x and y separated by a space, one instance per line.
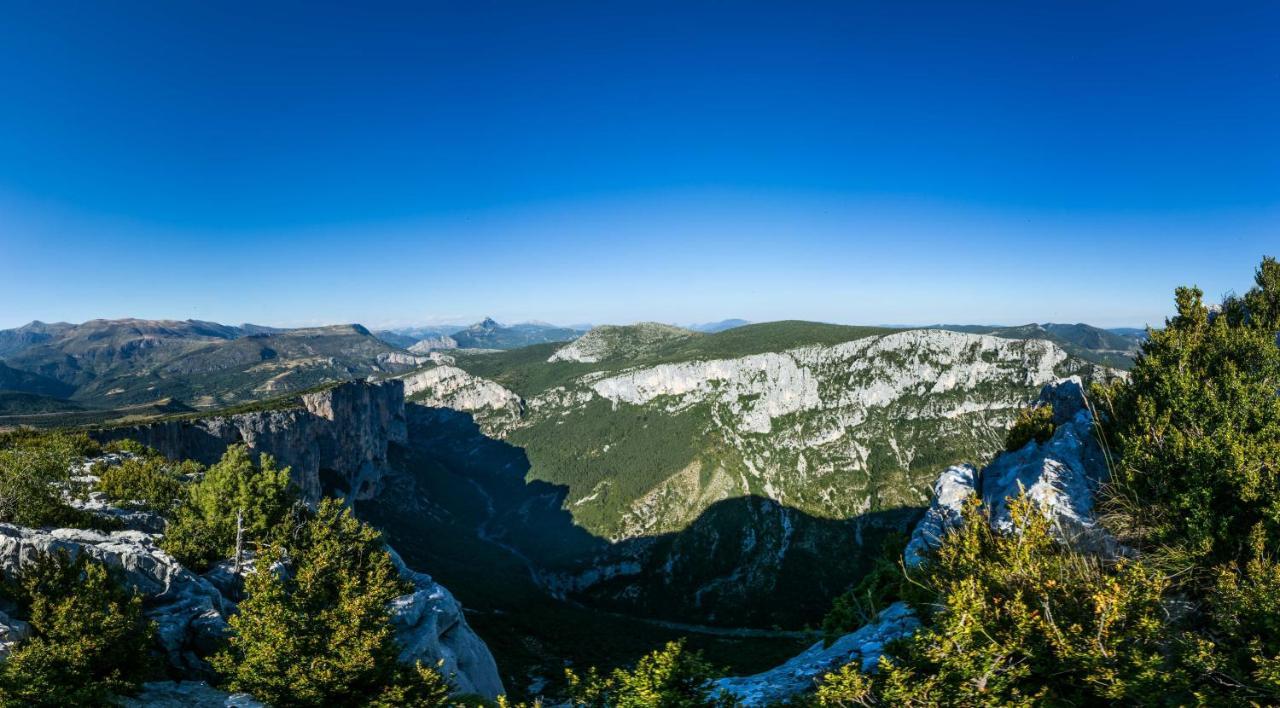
pixel 903 162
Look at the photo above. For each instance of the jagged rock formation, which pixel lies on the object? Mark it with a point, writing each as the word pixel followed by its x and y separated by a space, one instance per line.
pixel 335 441
pixel 801 673
pixel 431 628
pixel 190 614
pixel 1061 475
pixel 956 484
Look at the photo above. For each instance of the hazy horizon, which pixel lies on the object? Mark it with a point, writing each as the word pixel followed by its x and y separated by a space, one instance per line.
pixel 461 324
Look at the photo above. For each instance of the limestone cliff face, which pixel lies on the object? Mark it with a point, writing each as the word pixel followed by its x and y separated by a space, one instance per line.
pixel 836 431
pixel 335 442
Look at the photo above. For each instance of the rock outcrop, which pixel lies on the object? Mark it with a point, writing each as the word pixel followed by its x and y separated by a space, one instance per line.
pixel 956 484
pixel 12 631
pixel 446 386
pixel 190 614
pixel 187 694
pixel 1061 475
pixel 400 359
pixel 430 344
pixel 335 441
pixel 802 673
pixel 432 629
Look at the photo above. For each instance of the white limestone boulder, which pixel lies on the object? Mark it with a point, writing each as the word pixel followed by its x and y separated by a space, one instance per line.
pixel 802 673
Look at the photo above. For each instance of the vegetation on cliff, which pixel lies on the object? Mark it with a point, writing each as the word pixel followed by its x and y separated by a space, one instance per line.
pixel 234 494
pixel 671 677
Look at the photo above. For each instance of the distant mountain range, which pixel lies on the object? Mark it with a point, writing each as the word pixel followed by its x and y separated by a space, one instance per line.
pixel 485 334
pixel 722 325
pixel 119 365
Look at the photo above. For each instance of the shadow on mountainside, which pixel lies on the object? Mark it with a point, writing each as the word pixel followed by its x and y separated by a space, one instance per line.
pixel 744 562
pixel 442 511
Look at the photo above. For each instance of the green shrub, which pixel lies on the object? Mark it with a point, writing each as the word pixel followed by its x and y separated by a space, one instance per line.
pixel 1244 605
pixel 147 482
pixel 1197 430
pixel 320 634
pixel 1019 620
pixel 203 527
pixel 1032 424
pixel 671 677
pixel 129 446
pixel 89 637
pixel 34 471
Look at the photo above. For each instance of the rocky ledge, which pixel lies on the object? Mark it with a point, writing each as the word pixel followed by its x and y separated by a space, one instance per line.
pixel 335 441
pixel 189 612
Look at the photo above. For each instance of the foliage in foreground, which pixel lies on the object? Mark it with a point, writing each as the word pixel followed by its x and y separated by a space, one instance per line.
pixel 1031 424
pixel 203 527
pixel 1016 619
pixel 315 629
pixel 671 677
pixel 34 471
pixel 89 637
pixel 1197 427
pixel 150 482
pixel 1023 621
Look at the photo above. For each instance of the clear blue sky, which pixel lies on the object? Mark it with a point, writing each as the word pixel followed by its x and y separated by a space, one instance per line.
pixel 905 162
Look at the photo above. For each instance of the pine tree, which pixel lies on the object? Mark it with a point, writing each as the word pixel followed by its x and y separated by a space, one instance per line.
pixel 315 628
